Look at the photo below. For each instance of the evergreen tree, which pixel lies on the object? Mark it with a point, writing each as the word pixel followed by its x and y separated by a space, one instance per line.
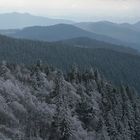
pixel 5 71
pixel 74 76
pixel 62 125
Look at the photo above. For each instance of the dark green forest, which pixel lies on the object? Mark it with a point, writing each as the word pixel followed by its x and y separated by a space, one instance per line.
pixel 117 67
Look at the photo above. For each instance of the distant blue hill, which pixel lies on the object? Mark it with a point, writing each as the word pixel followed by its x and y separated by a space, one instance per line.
pixel 129 33
pixel 59 32
pixel 20 20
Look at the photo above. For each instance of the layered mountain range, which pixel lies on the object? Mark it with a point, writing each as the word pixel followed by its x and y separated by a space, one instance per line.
pixel 62 80
pixel 41 28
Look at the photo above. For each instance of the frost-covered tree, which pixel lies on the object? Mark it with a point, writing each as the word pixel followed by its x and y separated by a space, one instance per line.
pixel 62 127
pixel 5 71
pixel 40 105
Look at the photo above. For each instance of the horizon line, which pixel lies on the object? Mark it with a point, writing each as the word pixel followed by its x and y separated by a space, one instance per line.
pixel 72 20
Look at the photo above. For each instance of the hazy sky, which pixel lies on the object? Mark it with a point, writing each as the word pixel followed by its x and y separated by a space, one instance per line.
pixel 116 10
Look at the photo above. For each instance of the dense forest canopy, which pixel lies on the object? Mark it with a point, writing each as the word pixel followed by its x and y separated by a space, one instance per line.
pixel 117 67
pixel 39 103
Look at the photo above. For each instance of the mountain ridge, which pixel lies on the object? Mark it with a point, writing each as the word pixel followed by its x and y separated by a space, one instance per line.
pixel 125 32
pixel 22 20
pixel 60 32
pixel 86 42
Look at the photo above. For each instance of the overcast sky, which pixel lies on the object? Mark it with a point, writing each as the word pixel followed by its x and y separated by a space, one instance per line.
pixel 89 10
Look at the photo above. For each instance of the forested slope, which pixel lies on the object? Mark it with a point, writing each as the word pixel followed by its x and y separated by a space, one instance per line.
pixel 38 103
pixel 115 66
